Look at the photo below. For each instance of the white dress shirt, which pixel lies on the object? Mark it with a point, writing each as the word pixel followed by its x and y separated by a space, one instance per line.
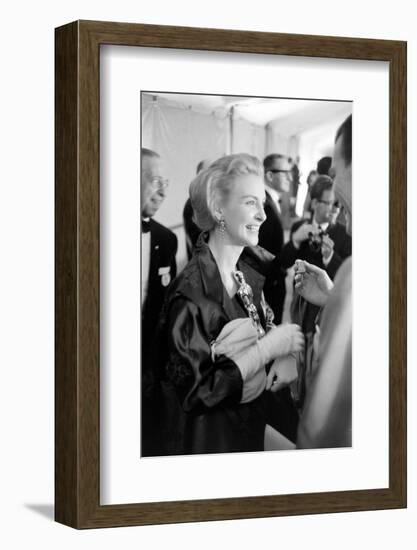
pixel 146 261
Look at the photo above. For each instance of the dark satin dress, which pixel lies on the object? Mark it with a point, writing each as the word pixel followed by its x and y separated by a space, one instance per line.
pixel 201 397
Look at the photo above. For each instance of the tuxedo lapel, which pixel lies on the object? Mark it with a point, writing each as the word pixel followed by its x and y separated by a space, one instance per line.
pixel 273 205
pixel 334 234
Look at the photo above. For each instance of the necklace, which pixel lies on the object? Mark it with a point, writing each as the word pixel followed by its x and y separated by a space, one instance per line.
pixel 245 293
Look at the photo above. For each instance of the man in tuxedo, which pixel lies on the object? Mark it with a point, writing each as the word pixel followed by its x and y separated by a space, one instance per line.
pixel 271 234
pixel 318 241
pixel 280 405
pixel 159 247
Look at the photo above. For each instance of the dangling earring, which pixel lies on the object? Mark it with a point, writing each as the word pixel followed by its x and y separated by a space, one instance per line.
pixel 222 227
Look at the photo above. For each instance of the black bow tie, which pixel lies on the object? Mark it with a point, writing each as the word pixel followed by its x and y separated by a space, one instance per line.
pixel 146 226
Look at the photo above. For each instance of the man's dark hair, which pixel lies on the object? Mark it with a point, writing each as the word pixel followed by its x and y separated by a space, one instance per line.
pixel 270 159
pixel 323 166
pixel 345 132
pixel 148 153
pixel 322 184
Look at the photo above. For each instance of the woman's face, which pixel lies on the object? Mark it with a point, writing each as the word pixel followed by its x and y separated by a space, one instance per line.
pixel 243 210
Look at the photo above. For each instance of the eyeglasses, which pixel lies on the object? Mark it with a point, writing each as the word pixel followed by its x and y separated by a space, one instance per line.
pixel 159 183
pixel 277 171
pixel 332 204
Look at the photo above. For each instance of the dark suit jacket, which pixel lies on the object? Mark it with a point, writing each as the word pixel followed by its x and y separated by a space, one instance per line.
pixel 271 237
pixel 302 312
pixel 164 245
pixel 342 249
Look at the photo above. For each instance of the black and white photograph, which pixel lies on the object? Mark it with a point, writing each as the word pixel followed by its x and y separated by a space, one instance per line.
pixel 246 273
pixel 208 280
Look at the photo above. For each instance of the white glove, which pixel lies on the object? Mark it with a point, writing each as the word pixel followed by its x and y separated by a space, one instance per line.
pixel 283 371
pixel 238 341
pixel 279 341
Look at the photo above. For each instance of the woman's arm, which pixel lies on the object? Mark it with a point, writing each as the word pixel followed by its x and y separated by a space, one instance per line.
pixel 235 374
pixel 201 382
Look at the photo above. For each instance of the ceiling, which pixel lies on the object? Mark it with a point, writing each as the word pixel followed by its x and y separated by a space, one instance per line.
pixel 293 115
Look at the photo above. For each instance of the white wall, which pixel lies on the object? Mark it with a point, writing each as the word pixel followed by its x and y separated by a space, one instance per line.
pixel 184 135
pixel 314 145
pixel 27 228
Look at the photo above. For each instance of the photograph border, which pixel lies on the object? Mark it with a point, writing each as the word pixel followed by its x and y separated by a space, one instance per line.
pixel 77 273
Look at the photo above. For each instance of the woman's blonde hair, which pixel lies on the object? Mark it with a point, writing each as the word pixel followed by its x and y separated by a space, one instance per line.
pixel 212 185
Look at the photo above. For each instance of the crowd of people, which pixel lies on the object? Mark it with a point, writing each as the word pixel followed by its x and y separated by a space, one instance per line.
pixel 221 372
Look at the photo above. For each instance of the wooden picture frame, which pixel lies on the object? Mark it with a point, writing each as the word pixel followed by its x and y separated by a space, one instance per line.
pixel 77 373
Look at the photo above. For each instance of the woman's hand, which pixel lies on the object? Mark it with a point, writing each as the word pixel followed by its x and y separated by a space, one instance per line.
pixel 313 283
pixel 283 371
pixel 281 340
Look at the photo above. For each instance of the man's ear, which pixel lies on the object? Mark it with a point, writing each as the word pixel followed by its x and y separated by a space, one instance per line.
pixel 313 204
pixel 268 176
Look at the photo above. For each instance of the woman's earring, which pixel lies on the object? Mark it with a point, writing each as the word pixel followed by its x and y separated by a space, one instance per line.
pixel 222 226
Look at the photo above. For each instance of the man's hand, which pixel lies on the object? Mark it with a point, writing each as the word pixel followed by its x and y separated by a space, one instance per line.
pixel 302 234
pixel 314 285
pixel 327 247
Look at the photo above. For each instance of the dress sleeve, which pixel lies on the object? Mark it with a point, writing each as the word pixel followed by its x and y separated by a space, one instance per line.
pixel 201 382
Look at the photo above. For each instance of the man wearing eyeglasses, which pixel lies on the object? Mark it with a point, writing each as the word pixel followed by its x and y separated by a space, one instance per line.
pixel 159 247
pixel 320 241
pixel 271 233
pixel 271 237
pixel 323 242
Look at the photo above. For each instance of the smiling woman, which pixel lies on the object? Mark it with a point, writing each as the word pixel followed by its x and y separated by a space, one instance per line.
pixel 218 339
pixel 243 212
